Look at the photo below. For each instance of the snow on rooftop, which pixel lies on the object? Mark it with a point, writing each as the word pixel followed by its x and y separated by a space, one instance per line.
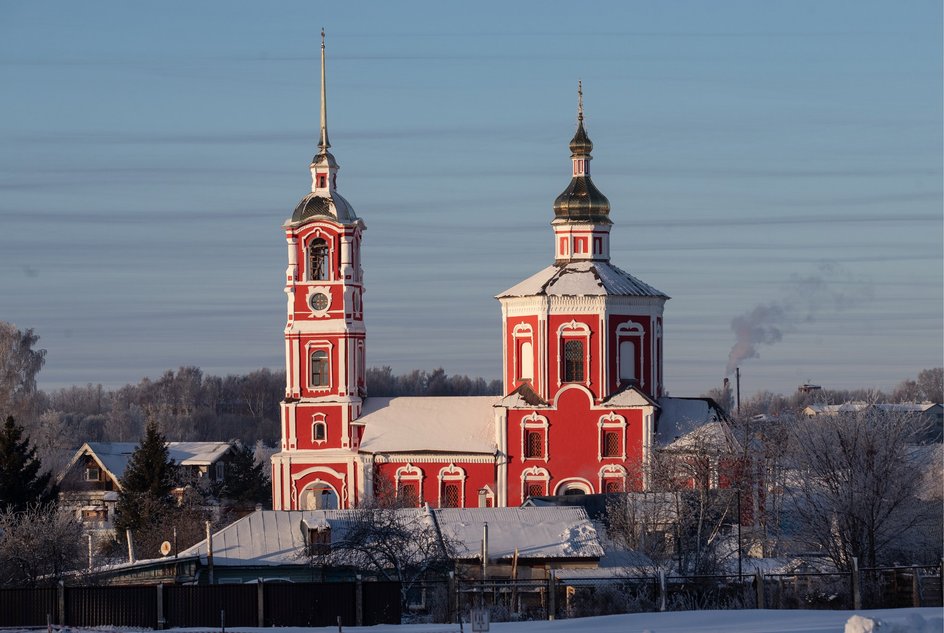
pixel 580 279
pixel 269 537
pixel 114 456
pixel 549 532
pixel 680 416
pixel 456 424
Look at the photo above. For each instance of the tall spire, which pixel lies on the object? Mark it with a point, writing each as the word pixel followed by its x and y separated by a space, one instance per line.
pixel 323 143
pixel 579 99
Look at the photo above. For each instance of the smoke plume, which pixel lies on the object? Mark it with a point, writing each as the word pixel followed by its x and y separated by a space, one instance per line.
pixel 804 298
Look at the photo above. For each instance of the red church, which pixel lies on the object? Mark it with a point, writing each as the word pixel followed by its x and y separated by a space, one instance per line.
pixel 582 370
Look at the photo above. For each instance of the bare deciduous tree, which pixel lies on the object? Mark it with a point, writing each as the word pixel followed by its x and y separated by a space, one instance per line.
pixel 19 364
pixel 39 545
pixel 855 489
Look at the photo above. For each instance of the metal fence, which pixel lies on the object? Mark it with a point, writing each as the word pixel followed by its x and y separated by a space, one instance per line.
pixel 570 597
pixel 162 606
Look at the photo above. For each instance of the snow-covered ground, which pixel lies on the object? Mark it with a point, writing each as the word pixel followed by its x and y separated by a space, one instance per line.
pixel 926 620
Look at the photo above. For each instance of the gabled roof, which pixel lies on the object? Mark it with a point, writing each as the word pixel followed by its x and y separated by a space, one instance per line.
pixel 114 456
pixel 269 537
pixel 458 424
pixel 680 416
pixel 629 396
pixel 584 278
pixel 524 397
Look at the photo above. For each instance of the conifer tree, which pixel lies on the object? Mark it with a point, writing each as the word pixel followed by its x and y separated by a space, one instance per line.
pixel 246 481
pixel 146 484
pixel 21 483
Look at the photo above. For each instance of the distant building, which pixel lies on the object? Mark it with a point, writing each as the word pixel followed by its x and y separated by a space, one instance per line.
pixel 930 414
pixel 91 481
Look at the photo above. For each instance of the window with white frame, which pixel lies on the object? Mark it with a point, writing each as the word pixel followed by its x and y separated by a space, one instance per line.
pixel 613 478
pixel 574 355
pixel 409 481
pixel 612 437
pixel 320 369
pixel 573 360
pixel 319 429
pixel 629 336
pixel 452 487
pixel 534 482
pixel 534 437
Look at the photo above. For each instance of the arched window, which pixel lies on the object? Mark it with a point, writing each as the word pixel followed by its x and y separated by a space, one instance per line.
pixel 526 361
pixel 627 361
pixel 450 494
pixel 318 259
pixel 612 444
pixel 534 444
pixel 320 376
pixel 573 361
pixel 319 431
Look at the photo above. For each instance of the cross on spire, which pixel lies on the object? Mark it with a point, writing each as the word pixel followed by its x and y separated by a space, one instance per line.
pixel 579 97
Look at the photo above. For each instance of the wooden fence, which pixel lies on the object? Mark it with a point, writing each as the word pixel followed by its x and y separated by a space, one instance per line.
pixel 163 606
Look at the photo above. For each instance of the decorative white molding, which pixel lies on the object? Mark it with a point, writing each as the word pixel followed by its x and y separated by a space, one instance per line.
pixel 612 471
pixel 534 422
pixel 611 422
pixel 319 419
pixel 572 483
pixel 452 474
pixel 535 474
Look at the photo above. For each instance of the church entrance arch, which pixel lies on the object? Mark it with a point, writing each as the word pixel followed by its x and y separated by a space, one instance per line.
pixel 318 496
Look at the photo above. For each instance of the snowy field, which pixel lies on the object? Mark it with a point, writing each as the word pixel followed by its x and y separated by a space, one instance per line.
pixel 926 620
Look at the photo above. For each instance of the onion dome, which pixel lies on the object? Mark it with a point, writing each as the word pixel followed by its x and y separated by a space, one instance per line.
pixel 581 201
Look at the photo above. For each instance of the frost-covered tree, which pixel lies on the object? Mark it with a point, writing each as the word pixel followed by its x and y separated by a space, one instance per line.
pixel 19 364
pixel 40 545
pixel 855 488
pixel 22 481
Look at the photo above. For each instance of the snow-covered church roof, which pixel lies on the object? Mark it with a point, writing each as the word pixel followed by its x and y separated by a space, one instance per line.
pixel 583 278
pixel 457 424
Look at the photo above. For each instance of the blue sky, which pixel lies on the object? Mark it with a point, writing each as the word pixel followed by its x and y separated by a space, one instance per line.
pixel 780 156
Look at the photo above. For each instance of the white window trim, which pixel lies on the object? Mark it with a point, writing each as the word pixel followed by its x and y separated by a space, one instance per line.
pixel 610 472
pixel 574 482
pixel 319 419
pixel 569 331
pixel 452 474
pixel 328 240
pixel 635 333
pixel 534 422
pixel 611 422
pixel 323 346
pixel 411 474
pixel 535 474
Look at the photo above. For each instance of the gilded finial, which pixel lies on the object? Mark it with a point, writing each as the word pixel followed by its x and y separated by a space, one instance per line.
pixel 579 100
